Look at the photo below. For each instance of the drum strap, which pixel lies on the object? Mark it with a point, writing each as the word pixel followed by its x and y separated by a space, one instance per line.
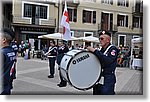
pixel 50 49
pixel 107 49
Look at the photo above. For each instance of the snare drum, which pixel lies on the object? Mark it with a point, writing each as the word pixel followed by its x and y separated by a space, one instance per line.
pixel 81 69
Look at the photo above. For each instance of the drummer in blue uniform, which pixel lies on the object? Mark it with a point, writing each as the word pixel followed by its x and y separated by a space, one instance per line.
pixel 108 59
pixel 52 53
pixel 8 60
pixel 62 49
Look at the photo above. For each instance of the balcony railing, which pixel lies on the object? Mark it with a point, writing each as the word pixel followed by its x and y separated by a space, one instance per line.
pixel 72 2
pixel 34 21
pixel 110 27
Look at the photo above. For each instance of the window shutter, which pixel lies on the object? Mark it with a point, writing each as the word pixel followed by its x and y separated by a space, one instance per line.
pixel 83 18
pixel 75 15
pixel 94 17
pixel 126 21
pixel 111 21
pixel 141 22
pixel 118 20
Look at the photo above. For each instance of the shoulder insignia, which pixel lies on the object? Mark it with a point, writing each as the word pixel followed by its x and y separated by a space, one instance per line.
pixel 113 52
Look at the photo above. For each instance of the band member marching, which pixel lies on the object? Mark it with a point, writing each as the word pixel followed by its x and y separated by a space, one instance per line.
pixel 52 53
pixel 108 59
pixel 63 48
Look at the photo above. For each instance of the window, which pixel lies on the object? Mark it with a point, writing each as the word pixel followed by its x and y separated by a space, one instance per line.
pixel 122 20
pixel 89 16
pixel 122 40
pixel 137 22
pixel 27 10
pixel 31 10
pixel 124 3
pixel 107 2
pixel 43 12
pixel 107 21
pixel 72 14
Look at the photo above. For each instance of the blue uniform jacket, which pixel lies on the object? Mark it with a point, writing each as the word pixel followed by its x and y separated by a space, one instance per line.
pixel 8 58
pixel 61 51
pixel 54 51
pixel 108 63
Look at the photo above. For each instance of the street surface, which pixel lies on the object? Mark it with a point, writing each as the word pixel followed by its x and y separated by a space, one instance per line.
pixel 32 79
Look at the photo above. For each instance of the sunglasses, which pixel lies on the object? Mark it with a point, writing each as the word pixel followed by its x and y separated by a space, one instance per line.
pixel 101 38
pixel 51 42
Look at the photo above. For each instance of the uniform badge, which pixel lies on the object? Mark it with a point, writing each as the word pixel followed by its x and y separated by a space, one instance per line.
pixel 103 32
pixel 113 52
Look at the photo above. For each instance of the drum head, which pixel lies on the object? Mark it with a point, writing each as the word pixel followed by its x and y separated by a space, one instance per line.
pixel 84 70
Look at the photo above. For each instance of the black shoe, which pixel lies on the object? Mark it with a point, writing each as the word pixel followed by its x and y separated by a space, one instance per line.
pixel 62 85
pixel 51 76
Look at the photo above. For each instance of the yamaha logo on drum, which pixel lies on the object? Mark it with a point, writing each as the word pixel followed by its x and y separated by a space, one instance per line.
pixel 80 59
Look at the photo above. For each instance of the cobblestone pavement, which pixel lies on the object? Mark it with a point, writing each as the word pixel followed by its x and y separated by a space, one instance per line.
pixel 32 79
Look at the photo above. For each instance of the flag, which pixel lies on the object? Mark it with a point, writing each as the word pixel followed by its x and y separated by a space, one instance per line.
pixel 65 24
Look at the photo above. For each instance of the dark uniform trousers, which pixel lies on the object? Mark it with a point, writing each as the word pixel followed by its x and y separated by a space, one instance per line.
pixel 52 65
pixel 104 89
pixel 62 81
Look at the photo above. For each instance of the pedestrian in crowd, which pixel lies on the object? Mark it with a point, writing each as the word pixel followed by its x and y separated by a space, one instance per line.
pixel 140 56
pixel 52 53
pixel 126 60
pixel 44 50
pixel 71 47
pixel 22 48
pixel 62 49
pixel 8 60
pixel 77 47
pixel 27 49
pixel 108 59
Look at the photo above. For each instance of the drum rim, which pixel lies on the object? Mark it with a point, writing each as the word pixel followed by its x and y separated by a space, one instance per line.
pixel 68 75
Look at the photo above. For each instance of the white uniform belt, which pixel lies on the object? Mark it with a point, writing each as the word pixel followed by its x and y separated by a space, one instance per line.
pixel 51 56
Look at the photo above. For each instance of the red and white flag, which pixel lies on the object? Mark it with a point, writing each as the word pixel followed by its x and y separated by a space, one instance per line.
pixel 65 24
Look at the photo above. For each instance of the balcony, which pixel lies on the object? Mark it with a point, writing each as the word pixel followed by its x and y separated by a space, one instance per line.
pixel 111 28
pixel 138 9
pixel 73 3
pixel 34 21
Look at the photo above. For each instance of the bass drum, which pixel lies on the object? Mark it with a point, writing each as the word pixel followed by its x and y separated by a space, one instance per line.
pixel 81 69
